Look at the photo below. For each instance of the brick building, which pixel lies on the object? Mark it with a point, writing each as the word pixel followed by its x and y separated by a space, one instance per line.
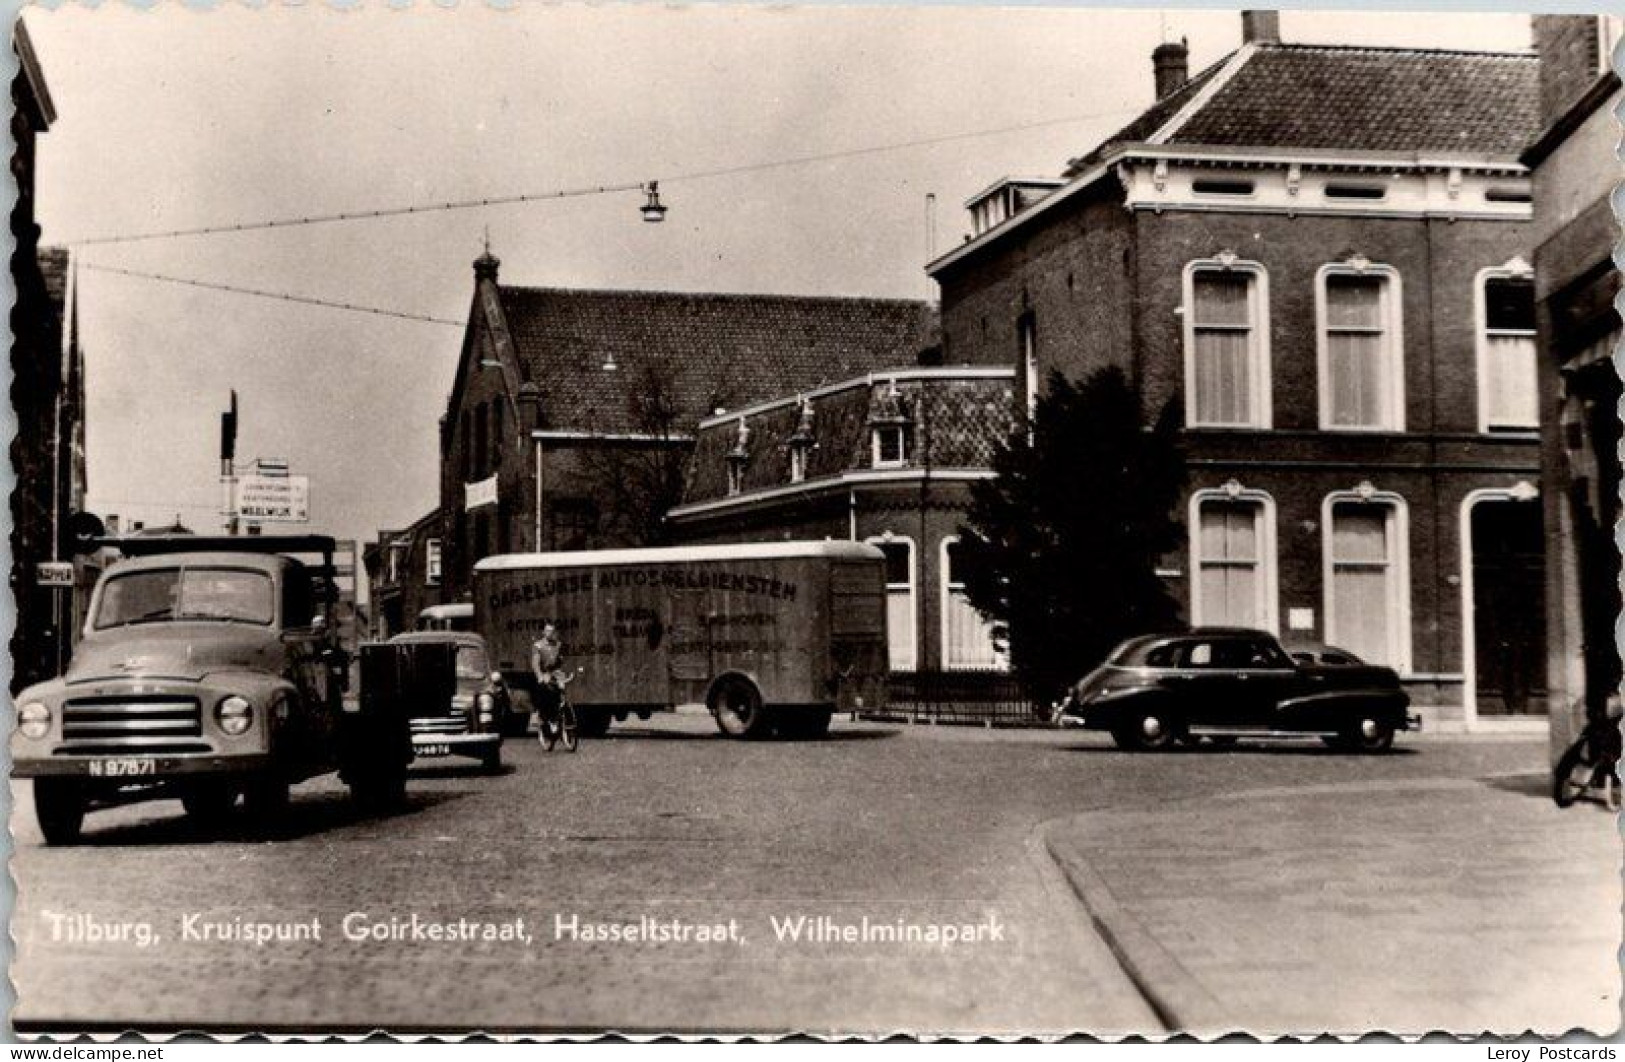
pixel 403 574
pixel 1574 234
pixel 886 458
pixel 47 394
pixel 1320 250
pixel 573 412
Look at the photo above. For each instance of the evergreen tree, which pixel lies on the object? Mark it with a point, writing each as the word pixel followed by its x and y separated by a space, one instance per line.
pixel 1061 548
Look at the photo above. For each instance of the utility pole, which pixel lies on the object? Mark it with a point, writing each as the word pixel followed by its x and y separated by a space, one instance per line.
pixel 228 471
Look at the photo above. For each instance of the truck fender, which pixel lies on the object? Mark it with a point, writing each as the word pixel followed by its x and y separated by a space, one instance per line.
pixel 265 691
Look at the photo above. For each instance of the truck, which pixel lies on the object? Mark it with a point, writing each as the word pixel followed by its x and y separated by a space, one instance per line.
pixel 210 669
pixel 772 638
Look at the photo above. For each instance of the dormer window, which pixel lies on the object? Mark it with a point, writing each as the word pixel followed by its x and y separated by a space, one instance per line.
pixel 738 458
pixel 891 446
pixel 890 422
pixel 801 443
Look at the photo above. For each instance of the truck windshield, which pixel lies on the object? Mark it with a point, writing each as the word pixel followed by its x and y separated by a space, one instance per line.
pixel 232 595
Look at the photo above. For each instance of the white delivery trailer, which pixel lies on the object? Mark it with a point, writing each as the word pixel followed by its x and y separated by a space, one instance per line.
pixel 771 637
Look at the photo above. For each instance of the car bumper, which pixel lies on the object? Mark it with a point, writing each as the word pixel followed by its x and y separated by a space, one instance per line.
pixel 136 768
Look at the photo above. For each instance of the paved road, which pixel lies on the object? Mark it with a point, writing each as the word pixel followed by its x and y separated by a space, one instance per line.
pixel 922 826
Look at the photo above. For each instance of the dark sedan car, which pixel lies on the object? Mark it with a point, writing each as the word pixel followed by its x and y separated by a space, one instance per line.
pixel 472 723
pixel 1226 683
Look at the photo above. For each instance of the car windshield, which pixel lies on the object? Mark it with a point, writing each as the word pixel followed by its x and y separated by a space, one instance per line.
pixel 232 595
pixel 471 662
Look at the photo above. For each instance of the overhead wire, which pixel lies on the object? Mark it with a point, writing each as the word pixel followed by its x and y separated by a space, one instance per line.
pixel 568 193
pixel 278 295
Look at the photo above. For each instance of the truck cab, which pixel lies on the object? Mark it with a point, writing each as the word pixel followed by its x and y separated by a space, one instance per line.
pixel 210 670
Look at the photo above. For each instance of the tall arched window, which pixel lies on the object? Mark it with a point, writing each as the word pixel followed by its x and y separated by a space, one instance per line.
pixel 1367 575
pixel 901 608
pixel 1233 561
pixel 1227 363
pixel 967 637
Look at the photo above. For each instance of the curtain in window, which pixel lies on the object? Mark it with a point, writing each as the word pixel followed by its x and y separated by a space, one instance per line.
pixel 899 605
pixel 1510 390
pixel 1365 602
pixel 1357 350
pixel 1223 334
pixel 968 643
pixel 1230 564
pixel 1510 395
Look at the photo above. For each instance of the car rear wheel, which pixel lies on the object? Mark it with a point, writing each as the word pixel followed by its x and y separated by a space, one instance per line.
pixel 59 806
pixel 1368 735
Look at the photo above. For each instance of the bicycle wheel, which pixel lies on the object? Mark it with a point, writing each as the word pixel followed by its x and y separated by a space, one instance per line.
pixel 1572 773
pixel 569 729
pixel 547 732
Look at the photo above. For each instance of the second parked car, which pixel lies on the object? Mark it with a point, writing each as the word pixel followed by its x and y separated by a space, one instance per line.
pixel 1225 683
pixel 471 724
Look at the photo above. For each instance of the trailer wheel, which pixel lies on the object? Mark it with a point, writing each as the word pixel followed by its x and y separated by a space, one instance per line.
pixel 738 708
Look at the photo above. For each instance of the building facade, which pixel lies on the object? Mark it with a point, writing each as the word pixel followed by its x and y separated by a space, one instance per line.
pixel 1320 253
pixel 1576 285
pixel 886 458
pixel 48 584
pixel 403 574
pixel 573 413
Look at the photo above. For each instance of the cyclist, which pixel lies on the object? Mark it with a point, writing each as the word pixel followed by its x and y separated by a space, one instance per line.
pixel 547 665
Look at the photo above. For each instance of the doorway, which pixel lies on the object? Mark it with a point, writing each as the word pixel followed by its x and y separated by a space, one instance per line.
pixel 1507 557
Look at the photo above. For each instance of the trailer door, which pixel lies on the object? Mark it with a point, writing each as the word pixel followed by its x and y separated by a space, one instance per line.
pixel 688 650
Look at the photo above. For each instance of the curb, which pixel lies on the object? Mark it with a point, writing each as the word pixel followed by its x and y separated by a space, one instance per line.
pixel 1178 999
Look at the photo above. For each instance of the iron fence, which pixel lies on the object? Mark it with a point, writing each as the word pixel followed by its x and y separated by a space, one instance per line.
pixel 976 698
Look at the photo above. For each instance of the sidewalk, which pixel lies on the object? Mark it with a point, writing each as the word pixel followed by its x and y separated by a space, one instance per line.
pixel 1462 905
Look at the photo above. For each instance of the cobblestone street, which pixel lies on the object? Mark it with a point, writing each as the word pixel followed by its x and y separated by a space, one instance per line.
pixel 920 825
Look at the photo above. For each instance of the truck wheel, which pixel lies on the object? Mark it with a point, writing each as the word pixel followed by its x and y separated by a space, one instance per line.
pixel 592 722
pixel 382 788
pixel 59 805
pixel 265 801
pixel 209 804
pixel 738 708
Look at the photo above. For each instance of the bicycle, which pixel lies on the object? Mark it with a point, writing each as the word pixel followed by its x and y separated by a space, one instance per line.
pixel 559 724
pixel 1592 762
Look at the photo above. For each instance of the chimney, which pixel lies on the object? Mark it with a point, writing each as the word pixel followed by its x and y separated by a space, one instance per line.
pixel 1261 27
pixel 1171 65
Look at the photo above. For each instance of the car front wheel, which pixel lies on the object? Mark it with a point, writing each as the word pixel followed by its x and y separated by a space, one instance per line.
pixel 1148 730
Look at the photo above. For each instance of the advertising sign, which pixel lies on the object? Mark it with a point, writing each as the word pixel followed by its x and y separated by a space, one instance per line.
pixel 482 493
pixel 273 499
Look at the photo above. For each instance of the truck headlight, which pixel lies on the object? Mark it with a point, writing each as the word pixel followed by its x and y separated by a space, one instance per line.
pixel 34 720
pixel 234 714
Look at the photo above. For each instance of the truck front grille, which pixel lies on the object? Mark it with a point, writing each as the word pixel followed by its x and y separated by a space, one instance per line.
pixel 129 722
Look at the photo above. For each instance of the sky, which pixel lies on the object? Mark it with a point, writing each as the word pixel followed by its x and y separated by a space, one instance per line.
pixel 175 118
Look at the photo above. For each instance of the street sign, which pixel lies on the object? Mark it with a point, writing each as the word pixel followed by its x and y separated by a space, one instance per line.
pixel 54 573
pixel 279 499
